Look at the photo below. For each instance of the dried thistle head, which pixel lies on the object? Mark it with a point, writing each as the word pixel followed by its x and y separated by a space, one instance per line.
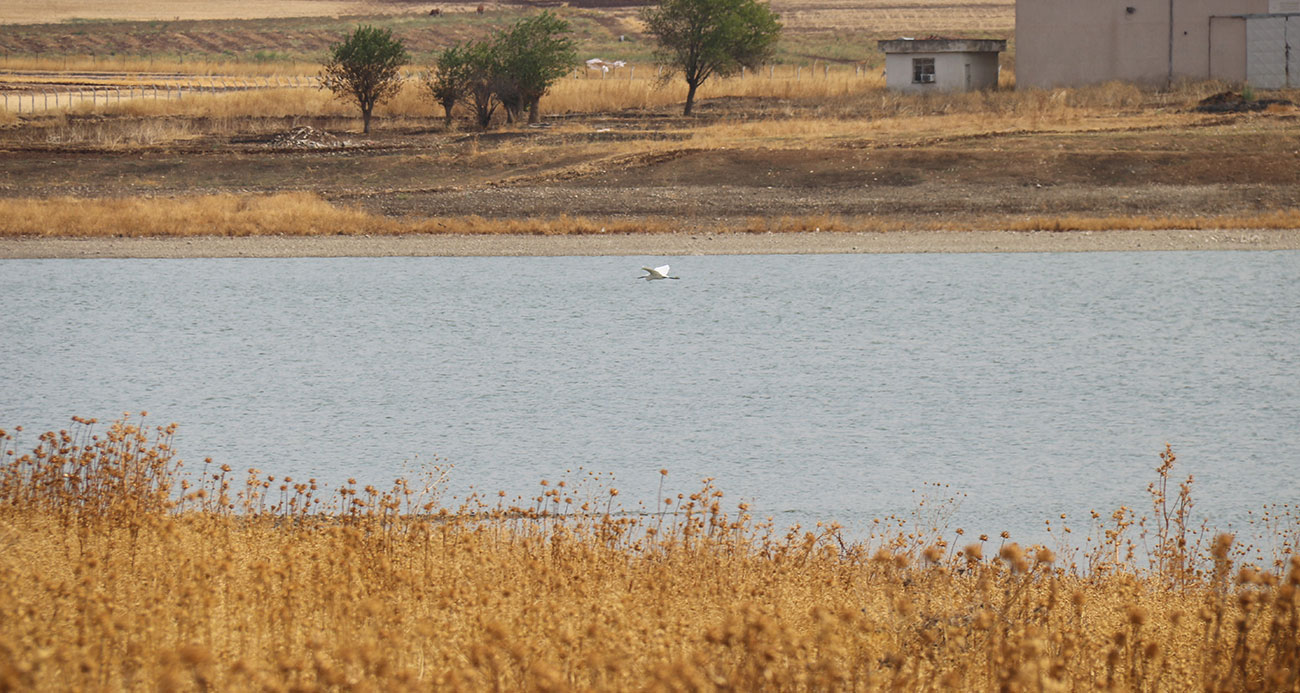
pixel 1222 545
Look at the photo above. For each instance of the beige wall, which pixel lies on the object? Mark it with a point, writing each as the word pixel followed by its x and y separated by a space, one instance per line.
pixel 949 71
pixel 1072 42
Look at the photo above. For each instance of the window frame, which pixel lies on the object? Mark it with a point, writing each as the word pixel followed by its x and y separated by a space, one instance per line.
pixel 919 70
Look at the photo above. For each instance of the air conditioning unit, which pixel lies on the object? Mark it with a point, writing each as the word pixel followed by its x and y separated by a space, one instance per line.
pixel 927 78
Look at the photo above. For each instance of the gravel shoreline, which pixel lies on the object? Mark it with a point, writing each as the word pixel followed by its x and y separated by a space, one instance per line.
pixel 650 244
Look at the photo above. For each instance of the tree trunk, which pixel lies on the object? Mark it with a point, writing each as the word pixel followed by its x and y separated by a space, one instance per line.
pixel 446 113
pixel 365 121
pixel 534 110
pixel 483 107
pixel 514 106
pixel 690 98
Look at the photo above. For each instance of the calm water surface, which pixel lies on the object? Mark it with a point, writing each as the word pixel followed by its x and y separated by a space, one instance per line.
pixel 815 386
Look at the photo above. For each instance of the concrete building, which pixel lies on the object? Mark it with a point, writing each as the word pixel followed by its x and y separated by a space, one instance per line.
pixel 944 64
pixel 1074 42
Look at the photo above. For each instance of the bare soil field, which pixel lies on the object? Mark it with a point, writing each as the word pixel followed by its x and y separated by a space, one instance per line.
pixel 48 11
pixel 797 15
pixel 839 31
pixel 656 165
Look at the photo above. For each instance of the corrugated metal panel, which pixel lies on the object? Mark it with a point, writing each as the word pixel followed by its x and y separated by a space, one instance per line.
pixel 1266 52
pixel 1293 51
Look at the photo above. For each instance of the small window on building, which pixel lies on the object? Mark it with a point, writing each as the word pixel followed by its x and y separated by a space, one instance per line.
pixel 922 70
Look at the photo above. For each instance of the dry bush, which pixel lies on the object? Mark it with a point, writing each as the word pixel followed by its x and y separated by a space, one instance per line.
pixel 247 581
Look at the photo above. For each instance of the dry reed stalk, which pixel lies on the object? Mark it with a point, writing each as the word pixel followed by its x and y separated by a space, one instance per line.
pixel 252 581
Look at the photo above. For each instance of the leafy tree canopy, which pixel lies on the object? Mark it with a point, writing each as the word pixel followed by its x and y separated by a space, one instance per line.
pixel 452 77
pixel 366 67
pixel 532 55
pixel 513 68
pixel 702 38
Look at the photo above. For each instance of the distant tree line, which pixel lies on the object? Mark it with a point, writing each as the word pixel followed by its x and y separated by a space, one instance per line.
pixel 513 68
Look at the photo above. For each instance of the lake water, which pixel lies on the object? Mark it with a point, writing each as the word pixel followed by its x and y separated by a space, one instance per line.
pixel 816 387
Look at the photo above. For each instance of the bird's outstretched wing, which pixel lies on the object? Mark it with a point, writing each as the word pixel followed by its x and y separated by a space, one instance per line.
pixel 656 272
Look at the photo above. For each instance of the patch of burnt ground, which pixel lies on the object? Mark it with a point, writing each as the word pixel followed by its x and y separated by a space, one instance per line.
pixel 1236 102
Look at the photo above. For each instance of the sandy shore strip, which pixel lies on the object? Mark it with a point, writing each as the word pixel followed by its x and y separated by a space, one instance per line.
pixel 657 245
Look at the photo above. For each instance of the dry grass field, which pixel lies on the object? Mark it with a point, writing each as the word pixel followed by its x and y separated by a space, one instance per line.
pixel 53 11
pixel 120 571
pixel 830 151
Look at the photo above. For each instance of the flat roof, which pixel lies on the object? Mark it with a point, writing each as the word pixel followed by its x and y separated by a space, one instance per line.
pixel 943 45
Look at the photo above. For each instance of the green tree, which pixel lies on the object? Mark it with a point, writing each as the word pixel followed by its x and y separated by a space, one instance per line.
pixel 452 78
pixel 702 38
pixel 532 55
pixel 366 67
pixel 484 81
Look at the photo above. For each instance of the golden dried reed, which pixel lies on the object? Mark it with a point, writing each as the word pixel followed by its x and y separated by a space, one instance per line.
pixel 256 582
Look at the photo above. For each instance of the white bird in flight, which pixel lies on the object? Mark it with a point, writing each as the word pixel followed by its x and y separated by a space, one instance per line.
pixel 657 273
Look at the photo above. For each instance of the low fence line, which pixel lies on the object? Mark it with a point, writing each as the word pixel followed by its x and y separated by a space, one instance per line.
pixel 606 71
pixel 47 99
